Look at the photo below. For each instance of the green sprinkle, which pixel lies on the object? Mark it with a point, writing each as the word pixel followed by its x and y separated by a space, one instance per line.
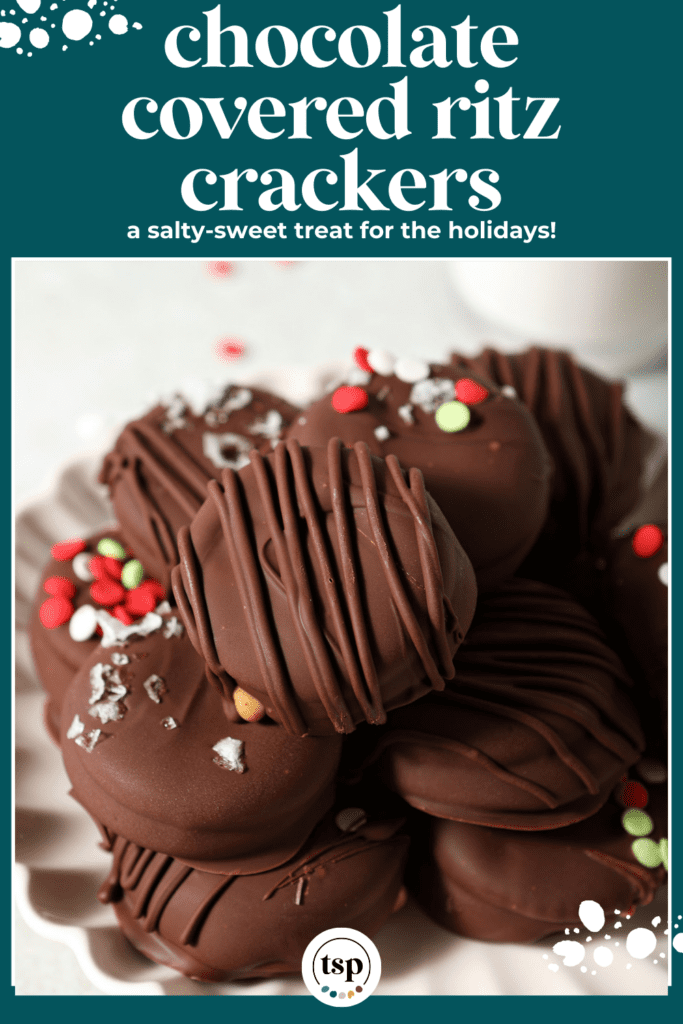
pixel 131 574
pixel 664 850
pixel 637 822
pixel 452 416
pixel 647 852
pixel 111 548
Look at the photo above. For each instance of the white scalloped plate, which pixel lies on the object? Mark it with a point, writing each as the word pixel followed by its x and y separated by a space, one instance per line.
pixel 59 864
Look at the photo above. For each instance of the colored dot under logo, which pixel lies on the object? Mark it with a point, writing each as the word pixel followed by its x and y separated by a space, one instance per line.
pixel 341 995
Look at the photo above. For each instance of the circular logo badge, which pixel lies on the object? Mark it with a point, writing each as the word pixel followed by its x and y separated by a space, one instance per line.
pixel 341 967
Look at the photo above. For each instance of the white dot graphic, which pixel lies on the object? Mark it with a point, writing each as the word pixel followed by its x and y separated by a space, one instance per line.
pixel 603 956
pixel 641 942
pixel 76 24
pixel 10 34
pixel 118 24
pixel 678 942
pixel 592 915
pixel 30 6
pixel 572 953
pixel 39 38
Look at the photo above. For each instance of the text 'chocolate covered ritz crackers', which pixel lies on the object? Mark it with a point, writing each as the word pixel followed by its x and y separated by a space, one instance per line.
pixel 383 644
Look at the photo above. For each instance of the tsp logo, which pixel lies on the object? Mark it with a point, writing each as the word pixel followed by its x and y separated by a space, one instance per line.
pixel 341 967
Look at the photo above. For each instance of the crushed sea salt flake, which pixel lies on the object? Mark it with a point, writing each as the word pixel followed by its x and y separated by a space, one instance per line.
pixel 430 394
pixel 163 609
pixel 229 753
pixel 107 711
pixel 350 819
pixel 88 740
pixel 173 627
pixel 155 687
pixel 175 414
pixel 169 723
pixel 220 408
pixel 269 426
pixel 358 376
pixel 215 446
pixel 75 729
pixel 115 634
pixel 381 432
pixel 406 414
pixel 119 658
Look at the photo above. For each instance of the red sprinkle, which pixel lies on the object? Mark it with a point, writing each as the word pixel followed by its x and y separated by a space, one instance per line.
pixel 107 592
pixel 113 567
pixel 229 348
pixel 68 549
pixel 55 612
pixel 98 567
pixel 349 399
pixel 122 615
pixel 144 598
pixel 220 268
pixel 634 794
pixel 647 540
pixel 360 358
pixel 59 586
pixel 469 392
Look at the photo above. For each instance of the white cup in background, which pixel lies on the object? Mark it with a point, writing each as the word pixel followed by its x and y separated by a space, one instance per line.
pixel 612 314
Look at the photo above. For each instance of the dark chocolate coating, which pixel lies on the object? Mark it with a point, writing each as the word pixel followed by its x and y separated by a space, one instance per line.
pixel 506 886
pixel 325 584
pixel 157 472
pixel 224 927
pixel 595 444
pixel 163 789
pixel 57 657
pixel 636 607
pixel 490 480
pixel 535 729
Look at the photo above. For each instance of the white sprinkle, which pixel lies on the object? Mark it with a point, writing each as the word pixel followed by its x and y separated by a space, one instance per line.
pixel 75 729
pixel 88 740
pixel 155 687
pixel 238 398
pixel 591 915
pixel 169 723
pixel 175 414
pixel 357 377
pixel 302 421
pixel 350 819
pixel 229 753
pixel 508 391
pixel 119 658
pixel 214 445
pixel 430 394
pixel 656 921
pixel 163 609
pixel 173 627
pixel 406 414
pixel 382 432
pixel 411 370
pixel 571 952
pixel 115 634
pixel 270 426
pixel 663 573
pixel 299 897
pixel 80 565
pixel 83 623
pixel 381 361
pixel 553 967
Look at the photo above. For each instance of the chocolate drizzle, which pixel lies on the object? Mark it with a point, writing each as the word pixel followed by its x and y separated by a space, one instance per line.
pixel 291 508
